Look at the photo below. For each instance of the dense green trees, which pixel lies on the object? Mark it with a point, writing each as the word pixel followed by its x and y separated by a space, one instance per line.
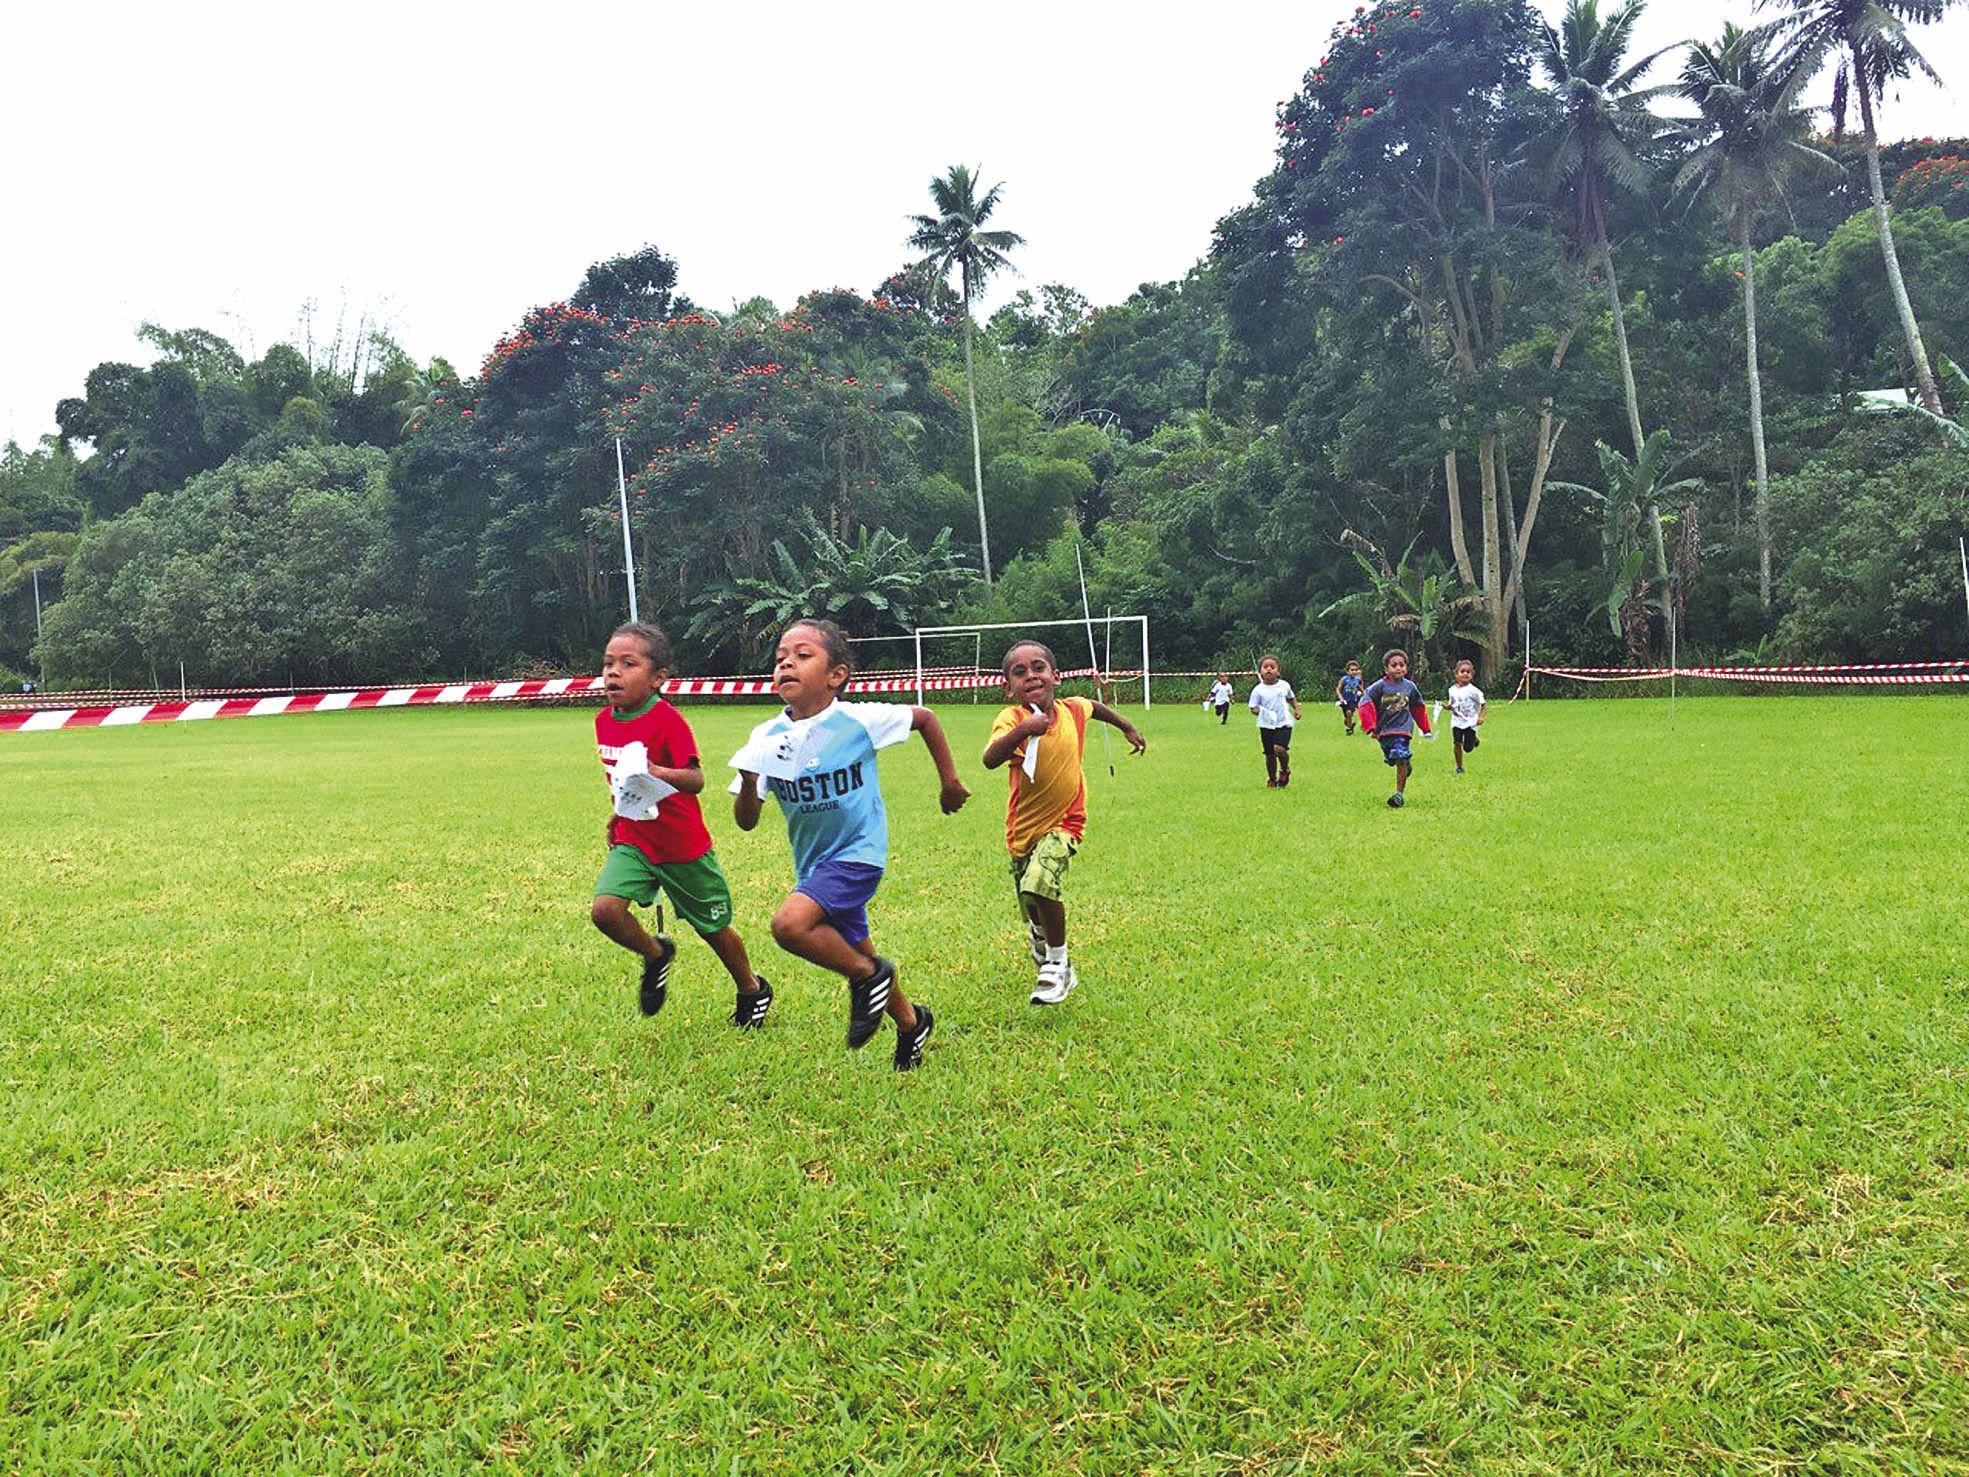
pixel 1482 253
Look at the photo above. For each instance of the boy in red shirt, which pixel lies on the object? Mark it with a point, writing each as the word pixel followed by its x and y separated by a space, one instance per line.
pixel 642 738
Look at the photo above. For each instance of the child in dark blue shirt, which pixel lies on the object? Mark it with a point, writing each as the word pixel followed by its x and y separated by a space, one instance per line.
pixel 1391 710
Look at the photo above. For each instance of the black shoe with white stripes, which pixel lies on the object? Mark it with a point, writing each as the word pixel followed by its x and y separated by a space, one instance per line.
pixel 867 999
pixel 750 1012
pixel 910 1041
pixel 656 976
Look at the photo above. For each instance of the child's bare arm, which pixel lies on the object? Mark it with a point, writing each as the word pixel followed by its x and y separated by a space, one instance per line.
pixel 688 780
pixel 1007 743
pixel 746 803
pixel 1136 743
pixel 953 794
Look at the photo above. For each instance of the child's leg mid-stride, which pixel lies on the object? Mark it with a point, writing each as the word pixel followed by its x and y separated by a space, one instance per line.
pixel 1395 754
pixel 698 891
pixel 826 923
pixel 1040 876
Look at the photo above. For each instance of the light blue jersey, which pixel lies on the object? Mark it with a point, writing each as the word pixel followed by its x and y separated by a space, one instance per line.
pixel 822 771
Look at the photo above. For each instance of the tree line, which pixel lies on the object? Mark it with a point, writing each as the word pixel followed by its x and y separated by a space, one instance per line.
pixel 1511 335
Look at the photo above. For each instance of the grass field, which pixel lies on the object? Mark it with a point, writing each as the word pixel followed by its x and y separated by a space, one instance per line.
pixel 1603 1110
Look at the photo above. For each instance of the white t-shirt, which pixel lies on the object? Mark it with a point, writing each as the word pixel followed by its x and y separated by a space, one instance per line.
pixel 1466 701
pixel 1273 703
pixel 1220 694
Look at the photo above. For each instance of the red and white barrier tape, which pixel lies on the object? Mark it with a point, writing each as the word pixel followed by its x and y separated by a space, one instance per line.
pixel 175 711
pixel 1928 674
pixel 1761 671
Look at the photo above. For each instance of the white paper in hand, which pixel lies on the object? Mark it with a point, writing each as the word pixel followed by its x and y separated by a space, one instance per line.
pixel 637 791
pixel 1031 765
pixel 776 756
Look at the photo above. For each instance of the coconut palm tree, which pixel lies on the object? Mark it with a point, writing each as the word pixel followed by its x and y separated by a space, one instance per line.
pixel 1746 141
pixel 1867 42
pixel 955 237
pixel 1594 149
pixel 1629 500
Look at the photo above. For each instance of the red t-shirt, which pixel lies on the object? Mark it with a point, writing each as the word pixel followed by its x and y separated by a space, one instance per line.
pixel 677 834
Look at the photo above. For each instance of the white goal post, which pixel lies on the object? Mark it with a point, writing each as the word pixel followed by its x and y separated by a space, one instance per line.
pixel 1084 624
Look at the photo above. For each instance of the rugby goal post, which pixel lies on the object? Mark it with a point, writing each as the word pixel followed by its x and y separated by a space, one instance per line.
pixel 1086 624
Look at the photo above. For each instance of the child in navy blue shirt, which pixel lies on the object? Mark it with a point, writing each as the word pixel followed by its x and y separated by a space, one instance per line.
pixel 817 758
pixel 1391 710
pixel 1347 695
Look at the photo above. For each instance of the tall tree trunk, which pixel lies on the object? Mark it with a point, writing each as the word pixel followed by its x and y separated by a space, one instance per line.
pixel 1495 608
pixel 1510 500
pixel 1656 545
pixel 977 453
pixel 1924 376
pixel 1459 545
pixel 1761 502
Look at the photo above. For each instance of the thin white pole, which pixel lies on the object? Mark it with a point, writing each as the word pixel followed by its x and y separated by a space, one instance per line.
pixel 37 602
pixel 181 681
pixel 1673 659
pixel 1145 664
pixel 1087 614
pixel 919 669
pixel 1107 640
pixel 1961 547
pixel 628 554
pixel 1527 658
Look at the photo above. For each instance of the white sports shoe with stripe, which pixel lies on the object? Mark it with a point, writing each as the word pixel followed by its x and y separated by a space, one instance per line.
pixel 1055 983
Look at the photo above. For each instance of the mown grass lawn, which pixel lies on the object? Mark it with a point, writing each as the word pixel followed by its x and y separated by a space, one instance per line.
pixel 1603 1110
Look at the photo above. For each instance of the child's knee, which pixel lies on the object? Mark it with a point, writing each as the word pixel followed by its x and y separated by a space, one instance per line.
pixel 788 926
pixel 608 911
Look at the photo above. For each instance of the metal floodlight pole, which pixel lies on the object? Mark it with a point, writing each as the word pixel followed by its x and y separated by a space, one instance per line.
pixel 628 555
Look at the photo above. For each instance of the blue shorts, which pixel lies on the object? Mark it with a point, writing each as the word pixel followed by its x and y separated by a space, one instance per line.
pixel 1394 748
pixel 841 891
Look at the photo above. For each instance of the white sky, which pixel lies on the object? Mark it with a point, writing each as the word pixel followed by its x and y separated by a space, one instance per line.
pixel 219 165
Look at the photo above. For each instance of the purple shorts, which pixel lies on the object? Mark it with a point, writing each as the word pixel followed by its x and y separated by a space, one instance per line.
pixel 841 891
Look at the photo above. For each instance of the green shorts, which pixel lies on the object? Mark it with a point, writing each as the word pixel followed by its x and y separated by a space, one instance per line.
pixel 1042 871
pixel 697 890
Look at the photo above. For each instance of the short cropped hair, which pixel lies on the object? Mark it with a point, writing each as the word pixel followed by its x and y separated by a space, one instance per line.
pixel 655 641
pixel 1005 665
pixel 840 650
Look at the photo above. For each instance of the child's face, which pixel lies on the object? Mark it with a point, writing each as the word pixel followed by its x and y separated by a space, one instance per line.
pixel 1030 678
pixel 805 678
pixel 1268 670
pixel 629 677
pixel 1396 667
pixel 1465 673
pixel 1353 669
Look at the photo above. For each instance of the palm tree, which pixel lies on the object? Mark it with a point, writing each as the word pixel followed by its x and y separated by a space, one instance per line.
pixel 1421 603
pixel 955 237
pixel 1869 38
pixel 1629 501
pixel 1747 140
pixel 1594 148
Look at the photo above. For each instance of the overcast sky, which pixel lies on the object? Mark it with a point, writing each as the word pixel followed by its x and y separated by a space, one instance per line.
pixel 441 170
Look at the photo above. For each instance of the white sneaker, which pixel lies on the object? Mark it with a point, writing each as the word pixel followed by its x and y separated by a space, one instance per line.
pixel 1055 983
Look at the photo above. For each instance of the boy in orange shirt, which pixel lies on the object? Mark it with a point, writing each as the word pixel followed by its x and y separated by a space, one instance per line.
pixel 1048 810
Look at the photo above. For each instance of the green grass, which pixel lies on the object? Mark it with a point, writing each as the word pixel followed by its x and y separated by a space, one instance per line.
pixel 1603 1110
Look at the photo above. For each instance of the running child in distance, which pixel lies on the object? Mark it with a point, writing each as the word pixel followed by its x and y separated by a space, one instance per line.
pixel 1045 737
pixel 820 752
pixel 1466 712
pixel 1277 707
pixel 1220 698
pixel 667 849
pixel 1397 711
pixel 1347 694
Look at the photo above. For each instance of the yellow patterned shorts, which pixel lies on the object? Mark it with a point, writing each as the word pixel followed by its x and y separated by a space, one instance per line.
pixel 1042 872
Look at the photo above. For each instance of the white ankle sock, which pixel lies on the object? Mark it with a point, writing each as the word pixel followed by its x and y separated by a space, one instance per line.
pixel 1056 953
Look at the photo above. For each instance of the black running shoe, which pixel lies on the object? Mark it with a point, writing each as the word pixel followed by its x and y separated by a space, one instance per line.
pixel 910 1043
pixel 750 1012
pixel 867 999
pixel 656 976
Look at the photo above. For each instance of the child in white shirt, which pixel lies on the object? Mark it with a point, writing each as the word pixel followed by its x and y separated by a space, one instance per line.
pixel 1277 707
pixel 1220 697
pixel 1466 712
